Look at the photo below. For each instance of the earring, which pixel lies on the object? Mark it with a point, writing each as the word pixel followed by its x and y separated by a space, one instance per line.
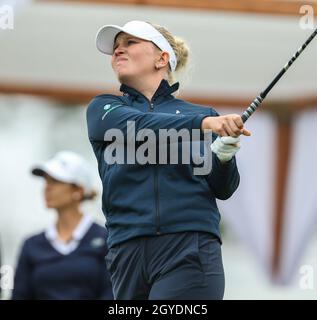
pixel 156 67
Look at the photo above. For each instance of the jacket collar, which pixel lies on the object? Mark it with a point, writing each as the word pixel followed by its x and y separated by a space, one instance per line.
pixel 163 90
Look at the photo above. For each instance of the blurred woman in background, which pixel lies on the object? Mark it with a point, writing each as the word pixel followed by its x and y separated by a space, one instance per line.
pixel 67 260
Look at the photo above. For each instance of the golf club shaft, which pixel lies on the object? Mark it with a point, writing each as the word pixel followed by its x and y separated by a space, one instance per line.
pixel 259 99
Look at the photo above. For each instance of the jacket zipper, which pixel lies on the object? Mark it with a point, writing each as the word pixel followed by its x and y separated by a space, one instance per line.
pixel 158 232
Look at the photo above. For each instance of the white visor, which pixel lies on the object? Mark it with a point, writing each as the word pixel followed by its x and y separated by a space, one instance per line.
pixel 106 36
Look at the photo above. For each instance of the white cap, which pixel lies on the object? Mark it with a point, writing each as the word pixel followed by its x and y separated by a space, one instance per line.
pixel 106 36
pixel 69 167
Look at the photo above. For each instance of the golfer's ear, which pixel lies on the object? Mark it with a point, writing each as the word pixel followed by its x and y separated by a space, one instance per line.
pixel 163 59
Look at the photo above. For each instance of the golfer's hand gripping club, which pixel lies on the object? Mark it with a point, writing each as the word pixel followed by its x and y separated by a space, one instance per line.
pixel 228 128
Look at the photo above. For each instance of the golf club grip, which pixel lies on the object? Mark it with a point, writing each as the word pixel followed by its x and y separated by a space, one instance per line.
pixel 252 107
pixel 259 99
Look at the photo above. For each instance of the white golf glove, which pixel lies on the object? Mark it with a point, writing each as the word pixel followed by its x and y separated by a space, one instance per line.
pixel 225 147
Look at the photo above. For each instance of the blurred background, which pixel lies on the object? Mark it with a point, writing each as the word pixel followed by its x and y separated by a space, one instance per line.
pixel 50 70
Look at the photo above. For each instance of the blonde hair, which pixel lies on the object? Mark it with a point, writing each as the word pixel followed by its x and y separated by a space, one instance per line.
pixel 180 48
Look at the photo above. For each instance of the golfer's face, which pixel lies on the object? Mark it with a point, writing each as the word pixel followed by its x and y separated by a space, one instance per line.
pixel 133 57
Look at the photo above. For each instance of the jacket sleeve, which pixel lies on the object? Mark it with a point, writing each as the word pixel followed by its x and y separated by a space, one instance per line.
pixel 224 178
pixel 22 289
pixel 109 112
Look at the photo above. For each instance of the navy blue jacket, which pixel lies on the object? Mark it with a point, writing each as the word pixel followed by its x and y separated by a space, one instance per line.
pixel 44 273
pixel 153 199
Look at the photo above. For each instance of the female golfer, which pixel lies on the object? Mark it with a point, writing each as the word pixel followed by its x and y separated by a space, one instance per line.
pixel 162 218
pixel 67 261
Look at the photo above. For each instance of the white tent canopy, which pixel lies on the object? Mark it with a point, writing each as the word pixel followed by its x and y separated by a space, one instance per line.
pixel 232 53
